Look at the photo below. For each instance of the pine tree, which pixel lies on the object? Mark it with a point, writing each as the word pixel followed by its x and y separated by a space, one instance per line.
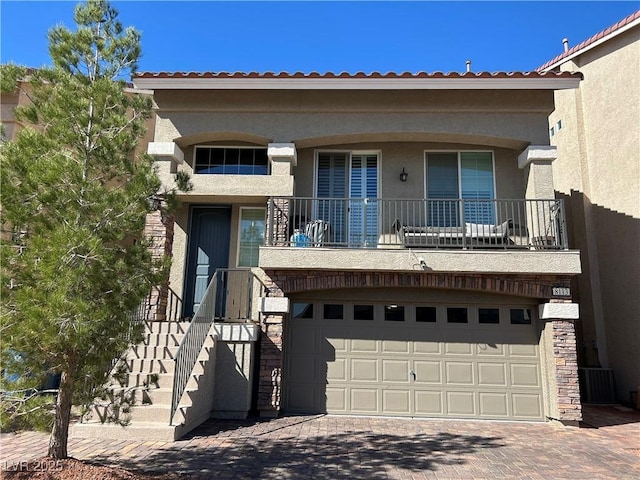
pixel 75 198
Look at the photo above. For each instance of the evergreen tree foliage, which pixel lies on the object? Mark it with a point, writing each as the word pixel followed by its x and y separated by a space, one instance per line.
pixel 73 201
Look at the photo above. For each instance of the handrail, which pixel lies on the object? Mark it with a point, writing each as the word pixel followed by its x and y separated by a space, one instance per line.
pixel 537 224
pixel 229 296
pixel 192 343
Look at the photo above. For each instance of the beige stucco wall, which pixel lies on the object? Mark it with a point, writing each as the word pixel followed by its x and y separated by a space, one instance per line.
pixel 180 237
pixel 503 118
pixel 394 156
pixel 598 174
pixel 469 261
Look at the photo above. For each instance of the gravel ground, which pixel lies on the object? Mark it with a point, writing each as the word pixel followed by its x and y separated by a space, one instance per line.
pixel 71 469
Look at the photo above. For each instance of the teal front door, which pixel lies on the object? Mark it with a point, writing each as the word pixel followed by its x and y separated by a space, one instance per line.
pixel 209 237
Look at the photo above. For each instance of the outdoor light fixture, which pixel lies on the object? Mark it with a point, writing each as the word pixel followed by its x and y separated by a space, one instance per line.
pixel 154 202
pixel 403 175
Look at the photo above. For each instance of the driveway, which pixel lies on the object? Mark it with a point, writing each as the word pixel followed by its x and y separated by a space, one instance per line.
pixel 607 445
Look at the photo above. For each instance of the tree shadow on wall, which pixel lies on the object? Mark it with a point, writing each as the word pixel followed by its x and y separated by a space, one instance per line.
pixel 285 455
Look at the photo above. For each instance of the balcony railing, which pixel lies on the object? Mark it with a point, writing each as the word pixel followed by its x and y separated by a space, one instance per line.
pixel 426 223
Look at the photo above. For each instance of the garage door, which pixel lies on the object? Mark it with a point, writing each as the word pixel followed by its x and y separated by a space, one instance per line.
pixel 413 360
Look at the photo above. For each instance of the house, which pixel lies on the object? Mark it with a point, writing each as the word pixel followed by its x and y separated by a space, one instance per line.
pixel 597 174
pixel 364 244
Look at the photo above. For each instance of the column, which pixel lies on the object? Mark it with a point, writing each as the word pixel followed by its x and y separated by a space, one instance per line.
pixel 561 361
pixel 158 229
pixel 270 379
pixel 541 213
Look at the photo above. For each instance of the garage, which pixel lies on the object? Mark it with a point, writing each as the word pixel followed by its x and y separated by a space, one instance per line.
pixel 413 359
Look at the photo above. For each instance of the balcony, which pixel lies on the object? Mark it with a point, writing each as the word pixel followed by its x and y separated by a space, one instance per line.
pixel 508 236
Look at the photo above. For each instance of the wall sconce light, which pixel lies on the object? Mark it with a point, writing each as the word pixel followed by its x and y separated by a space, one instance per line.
pixel 403 175
pixel 154 202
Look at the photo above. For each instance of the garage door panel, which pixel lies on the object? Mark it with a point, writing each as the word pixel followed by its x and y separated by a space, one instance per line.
pixel 395 371
pixel 428 371
pixel 396 402
pixel 460 373
pixel 492 374
pixel 364 370
pixel 525 375
pixel 427 348
pixel 335 343
pixel 523 350
pixel 337 370
pixel 303 398
pixel 304 338
pixel 364 400
pixel 460 403
pixel 493 404
pixel 429 403
pixel 336 400
pixel 454 348
pixel 302 369
pixel 364 345
pixel 526 406
pixel 395 346
pixel 491 349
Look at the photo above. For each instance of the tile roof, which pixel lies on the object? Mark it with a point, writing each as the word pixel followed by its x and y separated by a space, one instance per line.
pixel 347 75
pixel 590 41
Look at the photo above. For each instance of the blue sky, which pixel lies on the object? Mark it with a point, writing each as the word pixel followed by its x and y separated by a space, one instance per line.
pixel 327 36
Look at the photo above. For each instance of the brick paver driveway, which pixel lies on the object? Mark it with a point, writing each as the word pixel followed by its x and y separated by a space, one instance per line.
pixel 606 446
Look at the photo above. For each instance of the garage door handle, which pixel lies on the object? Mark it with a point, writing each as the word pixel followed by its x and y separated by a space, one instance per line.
pixel 413 374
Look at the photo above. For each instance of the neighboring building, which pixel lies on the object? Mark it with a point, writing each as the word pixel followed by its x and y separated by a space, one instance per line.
pixel 409 256
pixel 596 129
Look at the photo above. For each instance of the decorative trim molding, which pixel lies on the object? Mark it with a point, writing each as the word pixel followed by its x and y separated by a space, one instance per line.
pixel 532 153
pixel 563 311
pixel 166 149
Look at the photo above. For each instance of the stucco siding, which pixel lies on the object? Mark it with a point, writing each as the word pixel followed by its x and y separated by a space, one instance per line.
pixel 598 173
pixel 394 156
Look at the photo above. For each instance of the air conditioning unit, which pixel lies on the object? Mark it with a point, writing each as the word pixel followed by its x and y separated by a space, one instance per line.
pixel 597 385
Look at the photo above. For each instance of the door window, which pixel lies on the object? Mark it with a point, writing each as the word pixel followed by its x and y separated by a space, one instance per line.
pixel 250 236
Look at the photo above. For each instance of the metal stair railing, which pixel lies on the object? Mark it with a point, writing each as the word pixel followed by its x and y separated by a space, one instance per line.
pixel 229 297
pixel 192 343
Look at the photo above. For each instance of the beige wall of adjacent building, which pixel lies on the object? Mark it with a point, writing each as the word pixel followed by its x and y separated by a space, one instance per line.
pixel 598 173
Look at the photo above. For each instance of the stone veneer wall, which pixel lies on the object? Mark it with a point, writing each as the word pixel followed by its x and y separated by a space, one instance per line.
pixel 569 408
pixel 280 283
pixel 270 371
pixel 158 229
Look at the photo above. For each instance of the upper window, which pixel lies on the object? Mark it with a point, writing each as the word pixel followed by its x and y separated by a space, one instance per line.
pixel 231 161
pixel 460 175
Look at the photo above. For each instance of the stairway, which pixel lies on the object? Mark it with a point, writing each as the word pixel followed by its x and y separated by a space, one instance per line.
pixel 148 374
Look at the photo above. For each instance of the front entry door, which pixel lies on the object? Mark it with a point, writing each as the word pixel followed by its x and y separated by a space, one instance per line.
pixel 208 250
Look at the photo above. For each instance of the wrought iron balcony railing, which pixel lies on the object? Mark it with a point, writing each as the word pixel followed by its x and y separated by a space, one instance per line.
pixel 425 223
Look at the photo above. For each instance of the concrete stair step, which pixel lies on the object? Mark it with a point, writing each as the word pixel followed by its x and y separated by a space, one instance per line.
pixel 153 365
pixel 161 396
pixel 163 339
pixel 146 396
pixel 148 431
pixel 152 352
pixel 167 327
pixel 163 380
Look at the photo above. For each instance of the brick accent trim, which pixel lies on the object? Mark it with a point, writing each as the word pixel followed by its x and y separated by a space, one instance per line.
pixel 534 286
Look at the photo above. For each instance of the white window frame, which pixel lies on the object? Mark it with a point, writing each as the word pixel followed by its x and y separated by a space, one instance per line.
pixel 458 153
pixel 240 233
pixel 349 154
pixel 253 147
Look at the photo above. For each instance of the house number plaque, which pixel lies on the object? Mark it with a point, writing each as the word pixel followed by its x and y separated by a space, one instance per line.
pixel 561 291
